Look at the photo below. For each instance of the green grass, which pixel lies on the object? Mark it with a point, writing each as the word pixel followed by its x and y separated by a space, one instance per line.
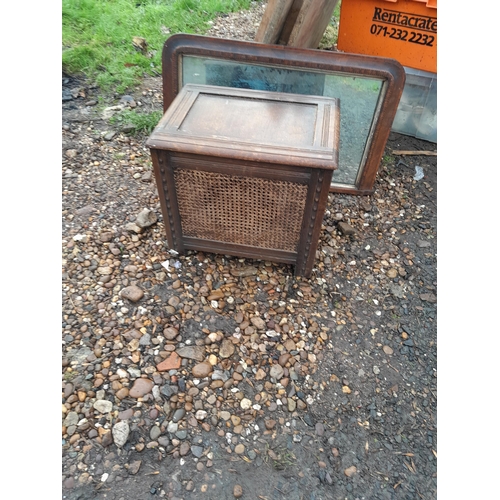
pixel 97 35
pixel 141 122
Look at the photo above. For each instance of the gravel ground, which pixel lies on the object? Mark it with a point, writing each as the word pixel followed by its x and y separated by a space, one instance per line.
pixel 206 376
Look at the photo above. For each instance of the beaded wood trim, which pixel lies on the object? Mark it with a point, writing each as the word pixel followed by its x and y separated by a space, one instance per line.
pixel 241 210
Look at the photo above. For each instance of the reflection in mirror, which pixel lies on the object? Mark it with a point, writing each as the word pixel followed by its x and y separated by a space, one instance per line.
pixel 359 97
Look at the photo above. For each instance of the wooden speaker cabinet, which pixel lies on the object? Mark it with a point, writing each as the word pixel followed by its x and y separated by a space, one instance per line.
pixel 246 172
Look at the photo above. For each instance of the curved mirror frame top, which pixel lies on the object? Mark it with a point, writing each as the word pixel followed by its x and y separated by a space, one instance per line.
pixel 369 89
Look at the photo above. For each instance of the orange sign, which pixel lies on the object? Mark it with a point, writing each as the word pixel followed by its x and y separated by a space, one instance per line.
pixel 405 30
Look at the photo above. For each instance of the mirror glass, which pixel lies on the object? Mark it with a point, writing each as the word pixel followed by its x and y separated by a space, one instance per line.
pixel 359 98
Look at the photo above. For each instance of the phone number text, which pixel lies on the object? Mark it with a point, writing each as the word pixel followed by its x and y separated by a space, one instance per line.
pixel 403 35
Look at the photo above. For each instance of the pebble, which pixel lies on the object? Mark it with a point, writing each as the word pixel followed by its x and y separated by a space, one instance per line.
pixel 146 218
pixel 134 467
pixel 227 349
pixel 155 432
pixel 276 371
pixel 120 433
pixel 197 451
pixel 141 387
pixel 192 352
pixel 184 449
pixel 202 370
pixel 320 429
pixel 178 415
pixel 350 471
pixel 245 404
pixel 173 362
pixel 132 293
pixel 237 491
pixel 170 333
pixel 103 406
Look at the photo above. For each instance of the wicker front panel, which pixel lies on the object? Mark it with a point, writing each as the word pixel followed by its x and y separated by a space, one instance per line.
pixel 241 210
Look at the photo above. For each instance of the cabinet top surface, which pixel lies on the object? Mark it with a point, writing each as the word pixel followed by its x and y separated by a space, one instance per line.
pixel 251 125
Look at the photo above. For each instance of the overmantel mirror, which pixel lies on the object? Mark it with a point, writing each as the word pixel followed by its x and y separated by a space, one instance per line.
pixel 369 89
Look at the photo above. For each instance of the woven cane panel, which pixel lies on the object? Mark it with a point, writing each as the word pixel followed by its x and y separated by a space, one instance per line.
pixel 241 210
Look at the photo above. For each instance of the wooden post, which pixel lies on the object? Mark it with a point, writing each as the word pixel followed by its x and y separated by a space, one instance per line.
pixel 273 20
pixel 298 23
pixel 311 23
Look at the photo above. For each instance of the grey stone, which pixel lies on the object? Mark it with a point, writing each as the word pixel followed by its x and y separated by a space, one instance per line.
pixel 182 434
pixel 169 390
pixel 120 433
pixel 276 371
pixel 103 406
pixel 145 339
pixel 197 451
pixel 192 352
pixel 71 419
pixel 178 415
pixel 155 432
pixel 132 293
pixel 146 218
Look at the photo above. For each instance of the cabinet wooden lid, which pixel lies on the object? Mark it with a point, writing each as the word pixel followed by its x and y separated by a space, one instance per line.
pixel 255 125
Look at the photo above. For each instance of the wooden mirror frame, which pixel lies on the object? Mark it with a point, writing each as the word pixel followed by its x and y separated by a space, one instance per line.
pixel 389 71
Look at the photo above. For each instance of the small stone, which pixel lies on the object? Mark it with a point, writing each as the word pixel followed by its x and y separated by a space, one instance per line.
pixel 154 433
pixel 276 371
pixel 237 491
pixel 120 433
pixel 200 415
pixel 103 406
pixel 376 370
pixel 245 404
pixel 291 405
pixel 132 293
pixel 392 273
pixel 173 362
pixel 146 218
pixel 270 424
pixel 346 389
pixel 202 370
pixel 192 352
pixel 170 333
pixel 239 449
pixel 387 350
pixel 227 349
pixel 181 434
pixel 260 374
pixel 346 228
pixel 244 271
pixel 184 449
pixel 134 467
pixel 320 429
pixel 108 136
pixel 105 270
pixel 163 441
pixel 423 244
pixel 178 415
pixel 350 471
pixel 197 451
pixel 259 323
pixel 141 387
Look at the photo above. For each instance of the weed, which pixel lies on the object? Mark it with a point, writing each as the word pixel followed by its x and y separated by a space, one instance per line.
pixel 69 376
pixel 141 122
pixel 279 457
